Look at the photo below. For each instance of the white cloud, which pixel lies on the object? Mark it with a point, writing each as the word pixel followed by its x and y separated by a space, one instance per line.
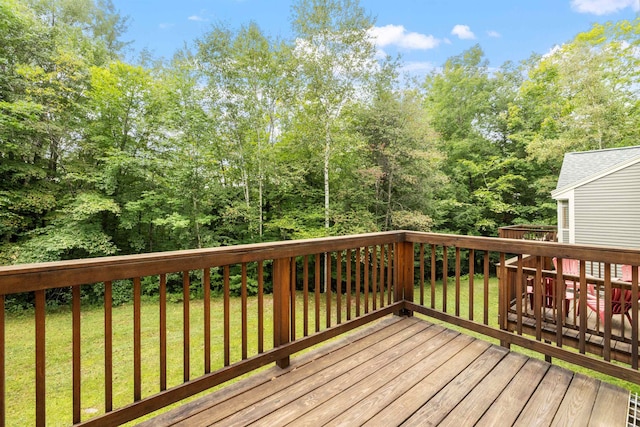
pixel 463 32
pixel 417 67
pixel 603 7
pixel 397 35
pixel 197 18
pixel 166 26
pixel 492 33
pixel 551 52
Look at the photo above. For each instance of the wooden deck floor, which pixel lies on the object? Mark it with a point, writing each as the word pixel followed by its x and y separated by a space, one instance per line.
pixel 405 371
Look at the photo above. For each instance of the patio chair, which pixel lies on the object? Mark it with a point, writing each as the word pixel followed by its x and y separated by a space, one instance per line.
pixel 617 306
pixel 571 267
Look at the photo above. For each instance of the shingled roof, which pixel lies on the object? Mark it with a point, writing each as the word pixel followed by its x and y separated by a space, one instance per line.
pixel 580 166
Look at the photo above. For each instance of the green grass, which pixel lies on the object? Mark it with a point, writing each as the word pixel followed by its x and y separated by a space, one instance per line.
pixel 20 349
pixel 20 352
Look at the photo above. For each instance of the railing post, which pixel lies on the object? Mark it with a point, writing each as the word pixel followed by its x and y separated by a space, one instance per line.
pixel 281 299
pixel 503 297
pixel 404 258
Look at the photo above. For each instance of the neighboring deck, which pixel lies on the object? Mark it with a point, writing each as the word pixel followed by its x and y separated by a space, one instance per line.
pixel 410 372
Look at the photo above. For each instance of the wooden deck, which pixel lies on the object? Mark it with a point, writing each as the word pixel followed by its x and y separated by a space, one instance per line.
pixel 406 371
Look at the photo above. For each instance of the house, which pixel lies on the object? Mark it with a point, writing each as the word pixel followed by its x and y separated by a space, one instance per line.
pixel 598 196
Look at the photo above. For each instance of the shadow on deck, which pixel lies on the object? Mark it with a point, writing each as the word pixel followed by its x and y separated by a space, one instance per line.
pixel 405 371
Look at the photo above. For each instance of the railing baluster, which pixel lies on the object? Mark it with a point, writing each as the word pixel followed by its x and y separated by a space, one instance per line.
pixel 317 291
pixel 520 291
pixel 358 281
pixel 3 404
pixel 348 283
pixel 634 316
pixel 339 287
pixel 75 309
pixel 583 306
pixel 608 292
pixel 421 263
pixel 226 315
pixel 382 261
pixel 305 290
pixel 390 284
pixel 457 281
pixel 328 289
pixel 186 359
pixel 503 300
pixel 206 284
pixel 486 288
pixel 163 332
pixel 445 274
pixel 622 322
pixel 433 276
pixel 243 308
pixel 292 298
pixel 472 266
pixel 374 277
pixel 537 295
pixel 260 307
pixel 562 287
pixel 40 359
pixel 108 347
pixel 366 279
pixel 137 358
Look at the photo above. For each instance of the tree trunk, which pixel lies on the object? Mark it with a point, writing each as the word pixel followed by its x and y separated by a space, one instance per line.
pixel 387 221
pixel 327 155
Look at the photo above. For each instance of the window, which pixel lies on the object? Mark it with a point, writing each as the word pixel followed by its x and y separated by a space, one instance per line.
pixel 564 214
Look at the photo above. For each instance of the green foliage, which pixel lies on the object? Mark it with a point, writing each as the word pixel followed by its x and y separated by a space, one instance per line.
pixel 250 138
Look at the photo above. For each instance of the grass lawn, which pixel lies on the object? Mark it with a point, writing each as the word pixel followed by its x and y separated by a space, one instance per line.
pixel 20 349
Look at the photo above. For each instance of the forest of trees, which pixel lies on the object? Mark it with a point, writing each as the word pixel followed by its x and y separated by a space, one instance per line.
pixel 243 137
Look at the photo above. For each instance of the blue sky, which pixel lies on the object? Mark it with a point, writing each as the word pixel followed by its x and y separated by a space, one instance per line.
pixel 425 32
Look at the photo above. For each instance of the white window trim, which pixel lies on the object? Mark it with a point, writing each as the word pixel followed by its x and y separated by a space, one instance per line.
pixel 569 198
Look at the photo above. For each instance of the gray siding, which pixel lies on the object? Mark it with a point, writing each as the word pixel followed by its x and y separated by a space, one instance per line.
pixel 565 235
pixel 607 211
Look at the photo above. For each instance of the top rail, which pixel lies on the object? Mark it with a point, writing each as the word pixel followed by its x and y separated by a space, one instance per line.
pixel 49 275
pixel 613 255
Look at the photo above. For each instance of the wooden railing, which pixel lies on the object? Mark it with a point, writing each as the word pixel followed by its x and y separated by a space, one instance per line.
pixel 320 288
pixel 543 233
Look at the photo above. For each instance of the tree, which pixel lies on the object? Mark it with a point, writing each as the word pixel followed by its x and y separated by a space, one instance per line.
pixel 335 55
pixel 491 183
pixel 46 50
pixel 400 146
pixel 248 74
pixel 583 95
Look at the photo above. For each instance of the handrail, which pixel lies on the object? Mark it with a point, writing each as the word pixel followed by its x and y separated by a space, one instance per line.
pixel 49 275
pixel 529 232
pixel 449 277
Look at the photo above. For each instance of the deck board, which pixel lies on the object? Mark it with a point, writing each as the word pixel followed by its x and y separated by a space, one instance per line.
pixel 438 407
pixel 544 403
pixel 611 403
pixel 361 380
pixel 305 395
pixel 471 409
pixel 578 402
pixel 406 371
pixel 506 409
pixel 430 352
pixel 374 344
pixel 374 401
